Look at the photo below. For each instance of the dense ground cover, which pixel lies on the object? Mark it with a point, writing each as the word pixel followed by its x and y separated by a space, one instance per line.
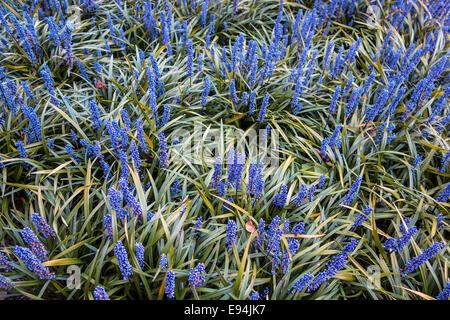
pixel 130 168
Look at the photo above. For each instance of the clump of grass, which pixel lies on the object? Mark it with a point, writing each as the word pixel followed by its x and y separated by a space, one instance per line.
pixel 105 115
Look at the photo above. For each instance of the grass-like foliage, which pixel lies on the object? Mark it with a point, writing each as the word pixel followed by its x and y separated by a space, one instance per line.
pixel 112 186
